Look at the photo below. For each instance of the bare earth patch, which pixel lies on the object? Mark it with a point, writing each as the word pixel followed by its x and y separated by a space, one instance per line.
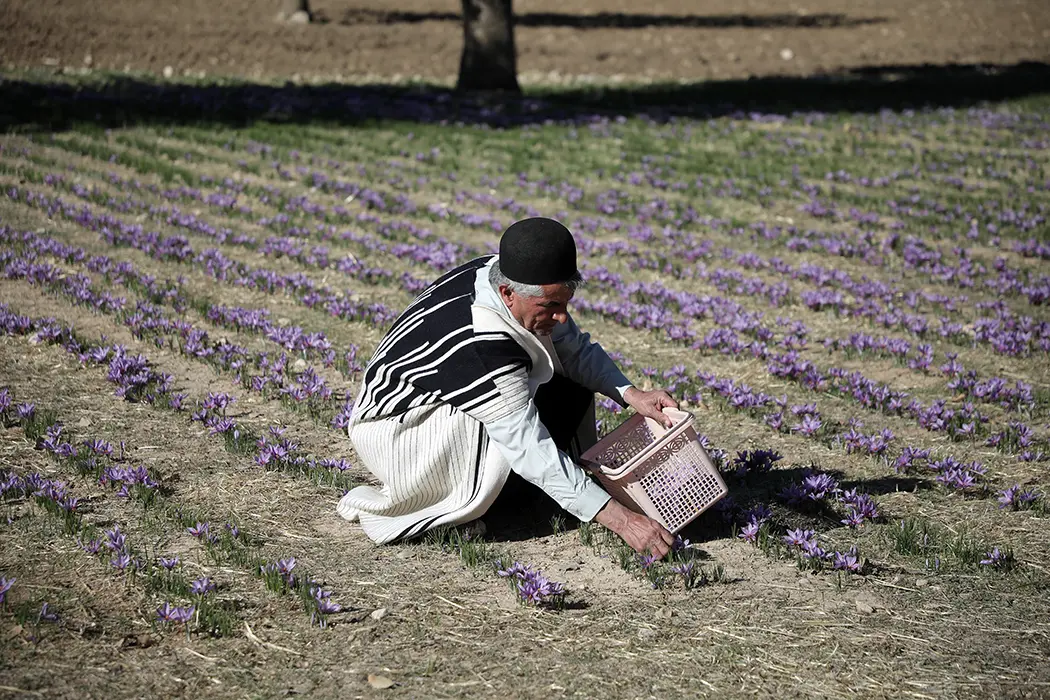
pixel 670 40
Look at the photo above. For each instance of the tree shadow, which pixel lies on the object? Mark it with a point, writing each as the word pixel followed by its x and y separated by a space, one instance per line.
pixel 622 20
pixel 117 101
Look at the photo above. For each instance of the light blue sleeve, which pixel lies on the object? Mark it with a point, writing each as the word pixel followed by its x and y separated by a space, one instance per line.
pixel 586 362
pixel 528 447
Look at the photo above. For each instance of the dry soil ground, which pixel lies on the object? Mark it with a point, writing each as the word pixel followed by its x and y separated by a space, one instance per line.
pixel 692 41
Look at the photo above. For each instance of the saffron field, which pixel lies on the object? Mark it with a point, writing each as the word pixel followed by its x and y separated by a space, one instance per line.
pixel 853 305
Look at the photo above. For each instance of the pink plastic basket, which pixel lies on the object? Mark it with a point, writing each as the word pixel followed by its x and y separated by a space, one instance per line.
pixel 663 473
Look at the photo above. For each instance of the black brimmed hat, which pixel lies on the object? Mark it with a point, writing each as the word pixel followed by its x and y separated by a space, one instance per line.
pixel 537 251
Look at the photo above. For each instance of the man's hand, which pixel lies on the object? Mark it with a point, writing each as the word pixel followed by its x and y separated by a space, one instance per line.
pixel 641 532
pixel 651 404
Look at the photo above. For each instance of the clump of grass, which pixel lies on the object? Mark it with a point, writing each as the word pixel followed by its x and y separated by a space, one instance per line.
pixel 473 551
pixel 35 426
pixel 215 618
pixel 937 545
pixel 240 441
pixel 557 524
pixel 586 533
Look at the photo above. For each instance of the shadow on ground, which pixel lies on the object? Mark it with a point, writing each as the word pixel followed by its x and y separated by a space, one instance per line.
pixel 523 511
pixel 116 101
pixel 623 20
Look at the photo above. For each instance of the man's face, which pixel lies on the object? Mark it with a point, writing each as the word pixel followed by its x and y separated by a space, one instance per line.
pixel 538 315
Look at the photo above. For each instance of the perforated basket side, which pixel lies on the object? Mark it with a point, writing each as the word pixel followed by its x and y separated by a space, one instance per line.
pixel 623 444
pixel 625 447
pixel 682 483
pixel 672 485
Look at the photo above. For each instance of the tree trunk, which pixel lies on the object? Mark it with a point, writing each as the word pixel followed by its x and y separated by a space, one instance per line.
pixel 295 11
pixel 489 60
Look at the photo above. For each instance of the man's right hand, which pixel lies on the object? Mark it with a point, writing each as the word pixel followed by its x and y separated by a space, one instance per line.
pixel 641 532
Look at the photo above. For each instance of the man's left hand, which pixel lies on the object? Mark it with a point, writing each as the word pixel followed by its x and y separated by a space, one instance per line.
pixel 651 404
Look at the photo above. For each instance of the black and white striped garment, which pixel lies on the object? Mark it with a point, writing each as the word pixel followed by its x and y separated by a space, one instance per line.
pixel 434 354
pixel 445 368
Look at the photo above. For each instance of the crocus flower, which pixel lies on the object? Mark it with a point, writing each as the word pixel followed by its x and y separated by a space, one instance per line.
pixel 200 530
pixel 46 614
pixel 532 586
pixel 848 561
pixel 749 533
pixel 171 613
pixel 202 586
pixel 799 537
pixel 684 569
pixel 115 539
pixel 995 558
pixel 647 560
pixel 122 561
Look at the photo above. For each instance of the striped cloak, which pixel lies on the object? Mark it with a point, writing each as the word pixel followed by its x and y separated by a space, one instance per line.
pixel 446 367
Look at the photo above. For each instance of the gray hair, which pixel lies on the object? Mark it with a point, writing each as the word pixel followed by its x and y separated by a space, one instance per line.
pixel 498 279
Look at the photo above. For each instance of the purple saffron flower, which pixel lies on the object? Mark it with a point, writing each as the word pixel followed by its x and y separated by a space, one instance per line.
pixel 99 447
pixel 853 519
pixel 202 586
pixel 809 426
pixel 122 561
pixel 812 550
pixel 749 533
pixel 685 569
pixel 817 487
pixel 758 514
pixel 5 586
pixel 224 425
pixel 793 494
pixel 218 401
pixel 183 614
pixel 647 560
pixel 200 530
pixel 170 613
pixel 848 561
pixel 115 539
pixel 799 537
pixel 326 607
pixel 517 569
pixel 996 558
pixel 168 563
pixel 46 614
pixel 532 586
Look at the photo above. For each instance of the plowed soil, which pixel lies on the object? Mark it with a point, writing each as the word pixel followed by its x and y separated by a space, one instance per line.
pixel 556 39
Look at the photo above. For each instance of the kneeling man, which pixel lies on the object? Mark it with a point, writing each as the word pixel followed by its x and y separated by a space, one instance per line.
pixel 486 373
